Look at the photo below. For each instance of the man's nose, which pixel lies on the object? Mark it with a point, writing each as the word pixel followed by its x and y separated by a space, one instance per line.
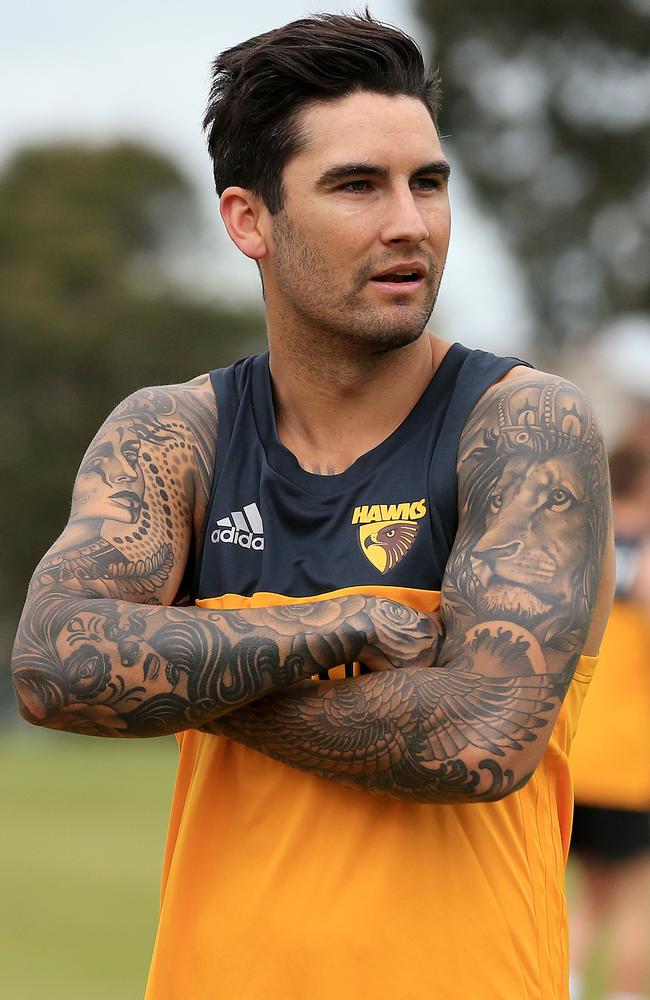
pixel 403 222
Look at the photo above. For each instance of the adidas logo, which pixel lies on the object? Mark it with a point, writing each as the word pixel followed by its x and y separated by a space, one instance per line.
pixel 242 527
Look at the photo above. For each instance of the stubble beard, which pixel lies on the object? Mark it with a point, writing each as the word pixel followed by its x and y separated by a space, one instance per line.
pixel 308 286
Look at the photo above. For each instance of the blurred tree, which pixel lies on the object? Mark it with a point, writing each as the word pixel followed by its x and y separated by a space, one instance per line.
pixel 79 227
pixel 547 105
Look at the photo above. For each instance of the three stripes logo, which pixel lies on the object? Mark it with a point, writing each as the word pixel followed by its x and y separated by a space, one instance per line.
pixel 242 527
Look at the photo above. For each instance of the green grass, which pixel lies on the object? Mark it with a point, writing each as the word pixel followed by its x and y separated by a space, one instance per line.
pixel 81 844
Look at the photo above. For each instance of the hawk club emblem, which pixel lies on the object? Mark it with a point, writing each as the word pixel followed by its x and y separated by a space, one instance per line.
pixel 387 531
pixel 386 543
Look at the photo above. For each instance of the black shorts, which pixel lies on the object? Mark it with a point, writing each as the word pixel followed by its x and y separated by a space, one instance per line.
pixel 609 835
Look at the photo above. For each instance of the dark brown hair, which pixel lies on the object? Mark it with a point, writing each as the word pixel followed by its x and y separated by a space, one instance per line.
pixel 260 86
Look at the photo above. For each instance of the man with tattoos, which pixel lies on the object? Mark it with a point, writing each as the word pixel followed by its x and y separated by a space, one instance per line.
pixel 397 555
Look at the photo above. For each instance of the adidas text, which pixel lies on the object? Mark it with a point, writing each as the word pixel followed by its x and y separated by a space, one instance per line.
pixel 246 539
pixel 242 527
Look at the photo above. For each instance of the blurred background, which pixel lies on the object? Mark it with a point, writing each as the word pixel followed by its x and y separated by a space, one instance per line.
pixel 115 273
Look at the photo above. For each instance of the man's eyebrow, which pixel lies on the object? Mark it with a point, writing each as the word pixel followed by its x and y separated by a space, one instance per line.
pixel 344 170
pixel 439 167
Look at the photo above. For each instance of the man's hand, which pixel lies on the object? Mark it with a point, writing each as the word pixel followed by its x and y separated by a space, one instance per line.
pixel 380 634
pixel 400 636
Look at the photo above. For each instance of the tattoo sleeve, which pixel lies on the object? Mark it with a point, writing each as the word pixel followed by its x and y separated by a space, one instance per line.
pixel 101 651
pixel 112 668
pixel 517 601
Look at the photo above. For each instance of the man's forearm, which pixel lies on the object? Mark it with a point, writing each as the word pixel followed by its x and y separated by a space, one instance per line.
pixel 115 668
pixel 421 735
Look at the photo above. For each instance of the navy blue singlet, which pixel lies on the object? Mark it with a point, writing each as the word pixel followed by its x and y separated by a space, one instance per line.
pixel 389 520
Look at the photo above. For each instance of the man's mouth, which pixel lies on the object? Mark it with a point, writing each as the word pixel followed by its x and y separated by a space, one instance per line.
pixel 398 276
pixel 405 276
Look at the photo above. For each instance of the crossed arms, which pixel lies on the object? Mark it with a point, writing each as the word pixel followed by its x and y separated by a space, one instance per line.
pixel 458 706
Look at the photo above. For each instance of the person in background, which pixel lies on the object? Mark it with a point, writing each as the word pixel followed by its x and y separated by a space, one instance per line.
pixel 610 758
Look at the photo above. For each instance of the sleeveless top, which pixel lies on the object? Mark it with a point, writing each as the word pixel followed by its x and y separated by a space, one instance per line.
pixel 272 527
pixel 279 885
pixel 615 772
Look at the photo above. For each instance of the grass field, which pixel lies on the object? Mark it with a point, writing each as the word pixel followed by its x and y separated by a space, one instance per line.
pixel 81 844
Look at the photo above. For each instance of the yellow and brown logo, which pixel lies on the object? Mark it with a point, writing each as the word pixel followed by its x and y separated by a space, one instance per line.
pixel 387 530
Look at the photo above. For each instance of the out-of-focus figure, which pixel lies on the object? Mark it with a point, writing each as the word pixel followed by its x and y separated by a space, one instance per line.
pixel 610 757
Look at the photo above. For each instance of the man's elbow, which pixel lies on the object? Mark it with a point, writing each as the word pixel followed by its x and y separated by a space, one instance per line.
pixel 28 712
pixel 473 778
pixel 30 703
pixel 36 681
pixel 505 781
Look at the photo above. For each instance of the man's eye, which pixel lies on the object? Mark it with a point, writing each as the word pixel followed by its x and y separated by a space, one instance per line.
pixel 427 183
pixel 356 187
pixel 131 457
pixel 560 499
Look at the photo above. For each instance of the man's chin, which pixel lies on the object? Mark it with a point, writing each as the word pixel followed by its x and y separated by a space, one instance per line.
pixel 388 333
pixel 394 339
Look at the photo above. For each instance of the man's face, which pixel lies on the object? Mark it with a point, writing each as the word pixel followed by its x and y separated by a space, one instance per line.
pixel 366 200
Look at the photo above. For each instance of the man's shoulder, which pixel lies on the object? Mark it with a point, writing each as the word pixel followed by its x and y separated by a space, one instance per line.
pixel 521 371
pixel 189 402
pixel 536 411
pixel 185 410
pixel 540 385
pixel 162 397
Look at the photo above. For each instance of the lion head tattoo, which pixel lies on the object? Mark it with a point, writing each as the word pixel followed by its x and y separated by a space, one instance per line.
pixel 532 526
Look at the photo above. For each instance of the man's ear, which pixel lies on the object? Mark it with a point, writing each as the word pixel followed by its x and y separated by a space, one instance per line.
pixel 240 210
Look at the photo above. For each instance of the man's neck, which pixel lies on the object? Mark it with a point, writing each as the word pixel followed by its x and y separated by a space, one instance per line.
pixel 334 407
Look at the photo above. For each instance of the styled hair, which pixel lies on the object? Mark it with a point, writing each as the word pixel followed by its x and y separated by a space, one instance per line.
pixel 260 86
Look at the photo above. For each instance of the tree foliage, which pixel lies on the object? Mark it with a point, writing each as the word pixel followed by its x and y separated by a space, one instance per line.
pixel 547 106
pixel 77 225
